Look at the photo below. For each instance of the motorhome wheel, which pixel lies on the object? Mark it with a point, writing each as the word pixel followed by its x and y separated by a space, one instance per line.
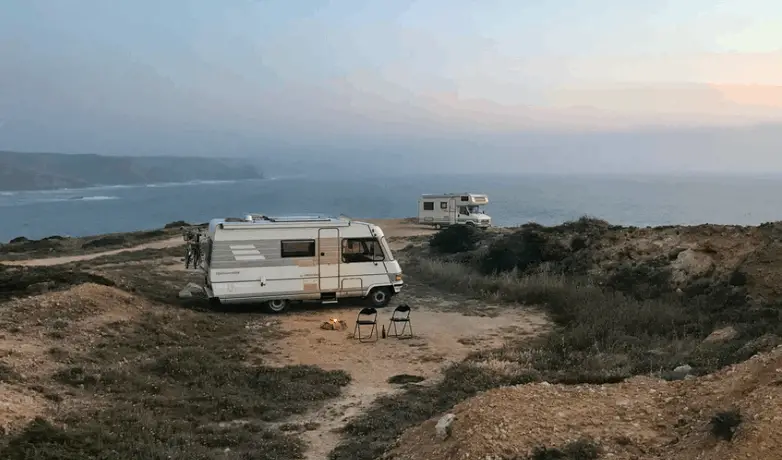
pixel 437 226
pixel 380 297
pixel 277 305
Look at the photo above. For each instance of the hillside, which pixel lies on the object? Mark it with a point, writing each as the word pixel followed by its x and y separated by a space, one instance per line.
pixel 42 171
pixel 578 341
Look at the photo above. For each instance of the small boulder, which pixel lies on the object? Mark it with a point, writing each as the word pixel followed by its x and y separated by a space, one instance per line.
pixel 680 372
pixel 690 264
pixel 724 334
pixel 191 290
pixel 443 426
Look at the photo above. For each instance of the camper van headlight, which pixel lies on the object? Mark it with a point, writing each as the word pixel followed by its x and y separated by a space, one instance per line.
pixel 399 277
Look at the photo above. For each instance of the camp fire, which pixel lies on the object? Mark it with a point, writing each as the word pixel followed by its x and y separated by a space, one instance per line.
pixel 334 324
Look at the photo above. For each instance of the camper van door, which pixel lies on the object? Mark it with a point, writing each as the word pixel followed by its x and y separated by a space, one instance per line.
pixel 453 210
pixel 328 259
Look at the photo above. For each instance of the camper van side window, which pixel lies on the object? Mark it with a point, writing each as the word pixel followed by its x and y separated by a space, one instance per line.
pixel 297 248
pixel 428 205
pixel 444 205
pixel 361 250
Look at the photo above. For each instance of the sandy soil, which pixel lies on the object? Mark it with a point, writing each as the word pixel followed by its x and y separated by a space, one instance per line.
pixel 639 419
pixel 446 329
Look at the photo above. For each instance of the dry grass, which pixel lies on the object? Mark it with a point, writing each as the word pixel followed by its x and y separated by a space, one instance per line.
pixel 601 336
pixel 57 246
pixel 170 383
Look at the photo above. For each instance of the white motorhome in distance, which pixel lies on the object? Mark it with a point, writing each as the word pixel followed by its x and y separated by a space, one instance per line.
pixel 452 209
pixel 281 259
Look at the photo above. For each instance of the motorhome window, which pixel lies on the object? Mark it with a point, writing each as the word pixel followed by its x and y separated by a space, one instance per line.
pixel 465 198
pixel 463 211
pixel 361 250
pixel 443 205
pixel 297 248
pixel 428 205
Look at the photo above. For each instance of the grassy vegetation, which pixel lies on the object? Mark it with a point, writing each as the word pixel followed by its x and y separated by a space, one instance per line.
pixel 633 323
pixel 143 255
pixel 55 246
pixel 27 281
pixel 172 384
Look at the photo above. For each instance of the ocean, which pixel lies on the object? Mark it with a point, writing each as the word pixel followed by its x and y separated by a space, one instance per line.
pixel 639 201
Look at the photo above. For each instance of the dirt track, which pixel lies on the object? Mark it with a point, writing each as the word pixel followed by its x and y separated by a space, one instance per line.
pixel 49 261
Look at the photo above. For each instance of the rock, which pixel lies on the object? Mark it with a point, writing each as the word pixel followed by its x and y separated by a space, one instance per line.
pixel 690 264
pixel 722 335
pixel 443 426
pixel 679 373
pixel 190 290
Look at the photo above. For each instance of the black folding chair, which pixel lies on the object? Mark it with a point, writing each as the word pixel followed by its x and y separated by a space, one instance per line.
pixel 366 312
pixel 401 314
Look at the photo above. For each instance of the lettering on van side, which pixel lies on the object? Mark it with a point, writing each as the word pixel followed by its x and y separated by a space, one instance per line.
pixel 227 273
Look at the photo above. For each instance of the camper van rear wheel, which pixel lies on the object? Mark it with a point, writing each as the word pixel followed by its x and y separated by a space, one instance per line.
pixel 437 226
pixel 277 305
pixel 380 297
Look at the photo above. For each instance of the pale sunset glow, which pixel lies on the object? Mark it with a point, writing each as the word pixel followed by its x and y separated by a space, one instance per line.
pixel 254 76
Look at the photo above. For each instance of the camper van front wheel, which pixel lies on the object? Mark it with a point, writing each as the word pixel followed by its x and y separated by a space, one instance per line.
pixel 380 297
pixel 277 305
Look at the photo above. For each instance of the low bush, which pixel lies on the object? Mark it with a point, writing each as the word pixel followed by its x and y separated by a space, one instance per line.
pixel 176 224
pixel 27 281
pixel 523 250
pixel 456 239
pixel 724 424
pixel 105 241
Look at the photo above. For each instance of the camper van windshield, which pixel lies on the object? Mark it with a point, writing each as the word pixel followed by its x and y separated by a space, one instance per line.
pixel 474 209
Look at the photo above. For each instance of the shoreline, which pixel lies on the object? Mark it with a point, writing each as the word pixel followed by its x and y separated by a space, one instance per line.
pixel 13 192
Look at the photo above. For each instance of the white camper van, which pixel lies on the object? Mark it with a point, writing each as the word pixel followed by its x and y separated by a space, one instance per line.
pixel 452 209
pixel 280 259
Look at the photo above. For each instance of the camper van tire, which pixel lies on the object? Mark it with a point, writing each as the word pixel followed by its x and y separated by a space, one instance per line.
pixel 214 302
pixel 437 226
pixel 277 305
pixel 380 297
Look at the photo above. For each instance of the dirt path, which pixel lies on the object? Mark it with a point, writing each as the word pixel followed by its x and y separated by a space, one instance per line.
pixel 171 242
pixel 446 329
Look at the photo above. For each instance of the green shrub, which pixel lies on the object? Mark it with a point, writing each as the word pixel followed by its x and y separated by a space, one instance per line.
pixel 456 239
pixel 521 251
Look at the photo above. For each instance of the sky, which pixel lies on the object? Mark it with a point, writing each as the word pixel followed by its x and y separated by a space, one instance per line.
pixel 560 85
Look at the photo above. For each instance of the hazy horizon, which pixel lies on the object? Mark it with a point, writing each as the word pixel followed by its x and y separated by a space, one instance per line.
pixel 497 86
